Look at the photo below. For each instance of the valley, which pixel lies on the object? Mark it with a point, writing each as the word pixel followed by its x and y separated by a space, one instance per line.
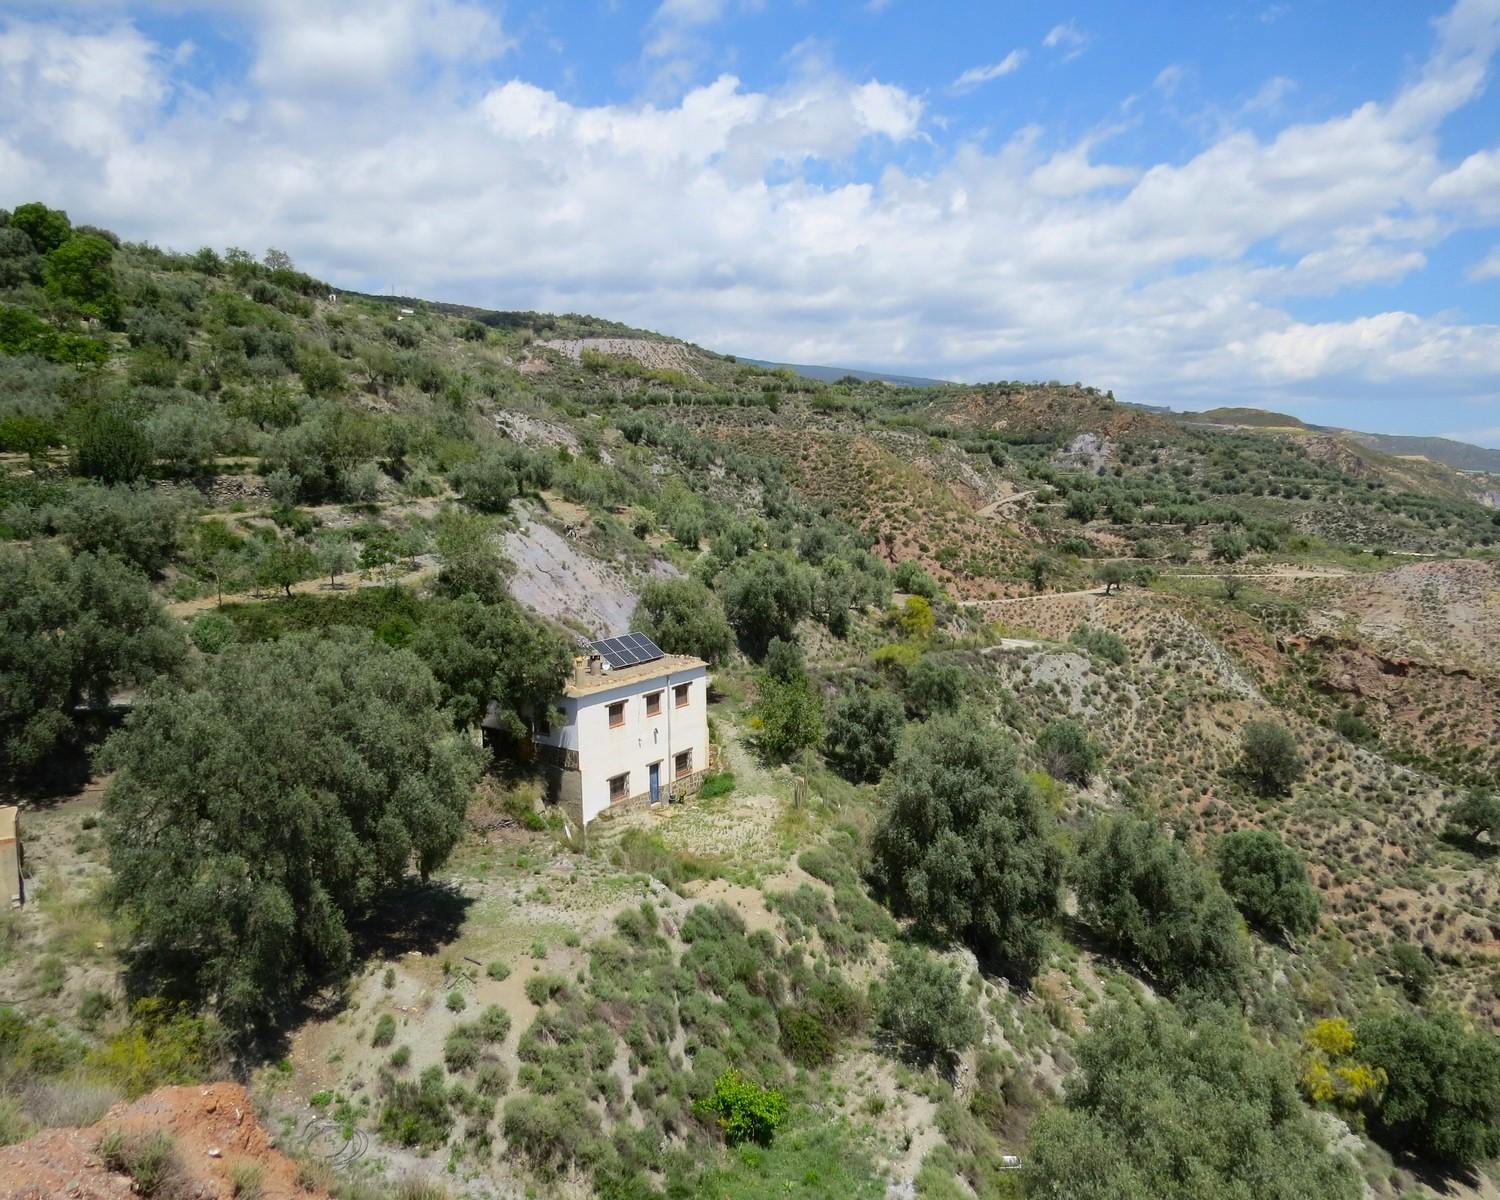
pixel 1060 747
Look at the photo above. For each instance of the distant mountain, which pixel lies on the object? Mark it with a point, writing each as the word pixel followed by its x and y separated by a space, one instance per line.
pixel 834 374
pixel 1461 456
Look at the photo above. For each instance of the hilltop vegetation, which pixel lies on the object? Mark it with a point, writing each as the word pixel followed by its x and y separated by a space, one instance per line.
pixel 1087 785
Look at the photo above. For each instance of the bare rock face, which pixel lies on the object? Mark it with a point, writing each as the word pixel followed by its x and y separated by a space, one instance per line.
pixel 214 1131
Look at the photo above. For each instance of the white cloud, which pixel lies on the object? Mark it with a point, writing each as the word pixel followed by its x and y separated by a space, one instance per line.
pixel 1269 95
pixel 1169 79
pixel 975 76
pixel 1487 267
pixel 1066 38
pixel 732 215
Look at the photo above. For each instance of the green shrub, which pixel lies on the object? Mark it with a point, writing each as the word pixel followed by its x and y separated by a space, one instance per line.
pixel 1102 643
pixel 494 1024
pixel 149 1159
pixel 385 1030
pixel 461 1048
pixel 456 1002
pixel 416 1114
pixel 544 987
pixel 925 1013
pixel 553 1133
pixel 212 632
pixel 400 1056
pixel 1066 752
pixel 498 970
pixel 746 1112
pixel 719 784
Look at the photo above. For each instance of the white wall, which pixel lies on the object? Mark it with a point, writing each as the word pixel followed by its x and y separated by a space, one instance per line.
pixel 604 753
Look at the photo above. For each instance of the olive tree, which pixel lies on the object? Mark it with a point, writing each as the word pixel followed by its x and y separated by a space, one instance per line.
pixel 965 844
pixel 1442 1096
pixel 864 733
pixel 1159 907
pixel 1168 1108
pixel 256 815
pixel 683 617
pixel 1268 882
pixel 1270 758
pixel 73 631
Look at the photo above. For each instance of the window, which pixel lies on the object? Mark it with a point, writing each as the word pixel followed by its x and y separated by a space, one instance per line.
pixel 683 764
pixel 619 788
pixel 653 704
pixel 617 714
pixel 681 693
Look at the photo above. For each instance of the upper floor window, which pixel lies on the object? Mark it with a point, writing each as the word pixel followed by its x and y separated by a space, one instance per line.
pixel 680 692
pixel 653 704
pixel 617 714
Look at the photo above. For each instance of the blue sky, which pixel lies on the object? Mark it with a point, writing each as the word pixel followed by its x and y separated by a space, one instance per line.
pixel 1294 205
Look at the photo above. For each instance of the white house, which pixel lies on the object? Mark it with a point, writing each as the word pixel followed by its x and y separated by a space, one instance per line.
pixel 634 728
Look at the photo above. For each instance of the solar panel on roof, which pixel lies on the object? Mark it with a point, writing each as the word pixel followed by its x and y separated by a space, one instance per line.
pixel 627 650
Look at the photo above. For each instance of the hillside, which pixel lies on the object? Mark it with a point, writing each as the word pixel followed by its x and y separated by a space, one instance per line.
pixel 1087 783
pixel 1460 456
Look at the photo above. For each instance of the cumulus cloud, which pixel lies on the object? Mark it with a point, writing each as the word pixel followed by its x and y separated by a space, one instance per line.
pixel 791 221
pixel 975 76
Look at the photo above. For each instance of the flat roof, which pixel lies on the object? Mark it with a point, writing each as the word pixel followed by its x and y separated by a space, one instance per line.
pixel 581 683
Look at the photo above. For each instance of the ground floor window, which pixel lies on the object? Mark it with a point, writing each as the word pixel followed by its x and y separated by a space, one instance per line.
pixel 683 764
pixel 619 787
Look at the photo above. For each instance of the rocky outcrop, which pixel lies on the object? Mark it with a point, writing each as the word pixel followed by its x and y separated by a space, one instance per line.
pixel 214 1132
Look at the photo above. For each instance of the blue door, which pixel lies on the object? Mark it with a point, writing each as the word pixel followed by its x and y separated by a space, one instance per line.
pixel 655 773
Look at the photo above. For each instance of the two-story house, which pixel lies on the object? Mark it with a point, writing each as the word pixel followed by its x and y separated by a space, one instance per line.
pixel 634 728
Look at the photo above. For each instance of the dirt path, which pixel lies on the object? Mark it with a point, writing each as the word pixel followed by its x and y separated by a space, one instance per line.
pixel 347 583
pixel 993 508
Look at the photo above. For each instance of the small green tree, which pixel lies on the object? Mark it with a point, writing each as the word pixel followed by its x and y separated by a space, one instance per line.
pixel 1040 568
pixel 469 558
pixel 483 654
pixel 926 1013
pixel 1067 752
pixel 745 1111
pixel 1442 1097
pixel 336 556
pixel 1157 906
pixel 1270 758
pixel 1412 969
pixel 1475 816
pixel 683 617
pixel 80 274
pixel 765 595
pixel 284 562
pixel 1114 575
pixel 109 446
pixel 787 716
pixel 48 228
pixel 1268 882
pixel 965 844
pixel 932 687
pixel 864 733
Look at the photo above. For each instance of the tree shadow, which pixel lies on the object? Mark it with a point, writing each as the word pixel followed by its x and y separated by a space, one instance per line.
pixel 412 915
